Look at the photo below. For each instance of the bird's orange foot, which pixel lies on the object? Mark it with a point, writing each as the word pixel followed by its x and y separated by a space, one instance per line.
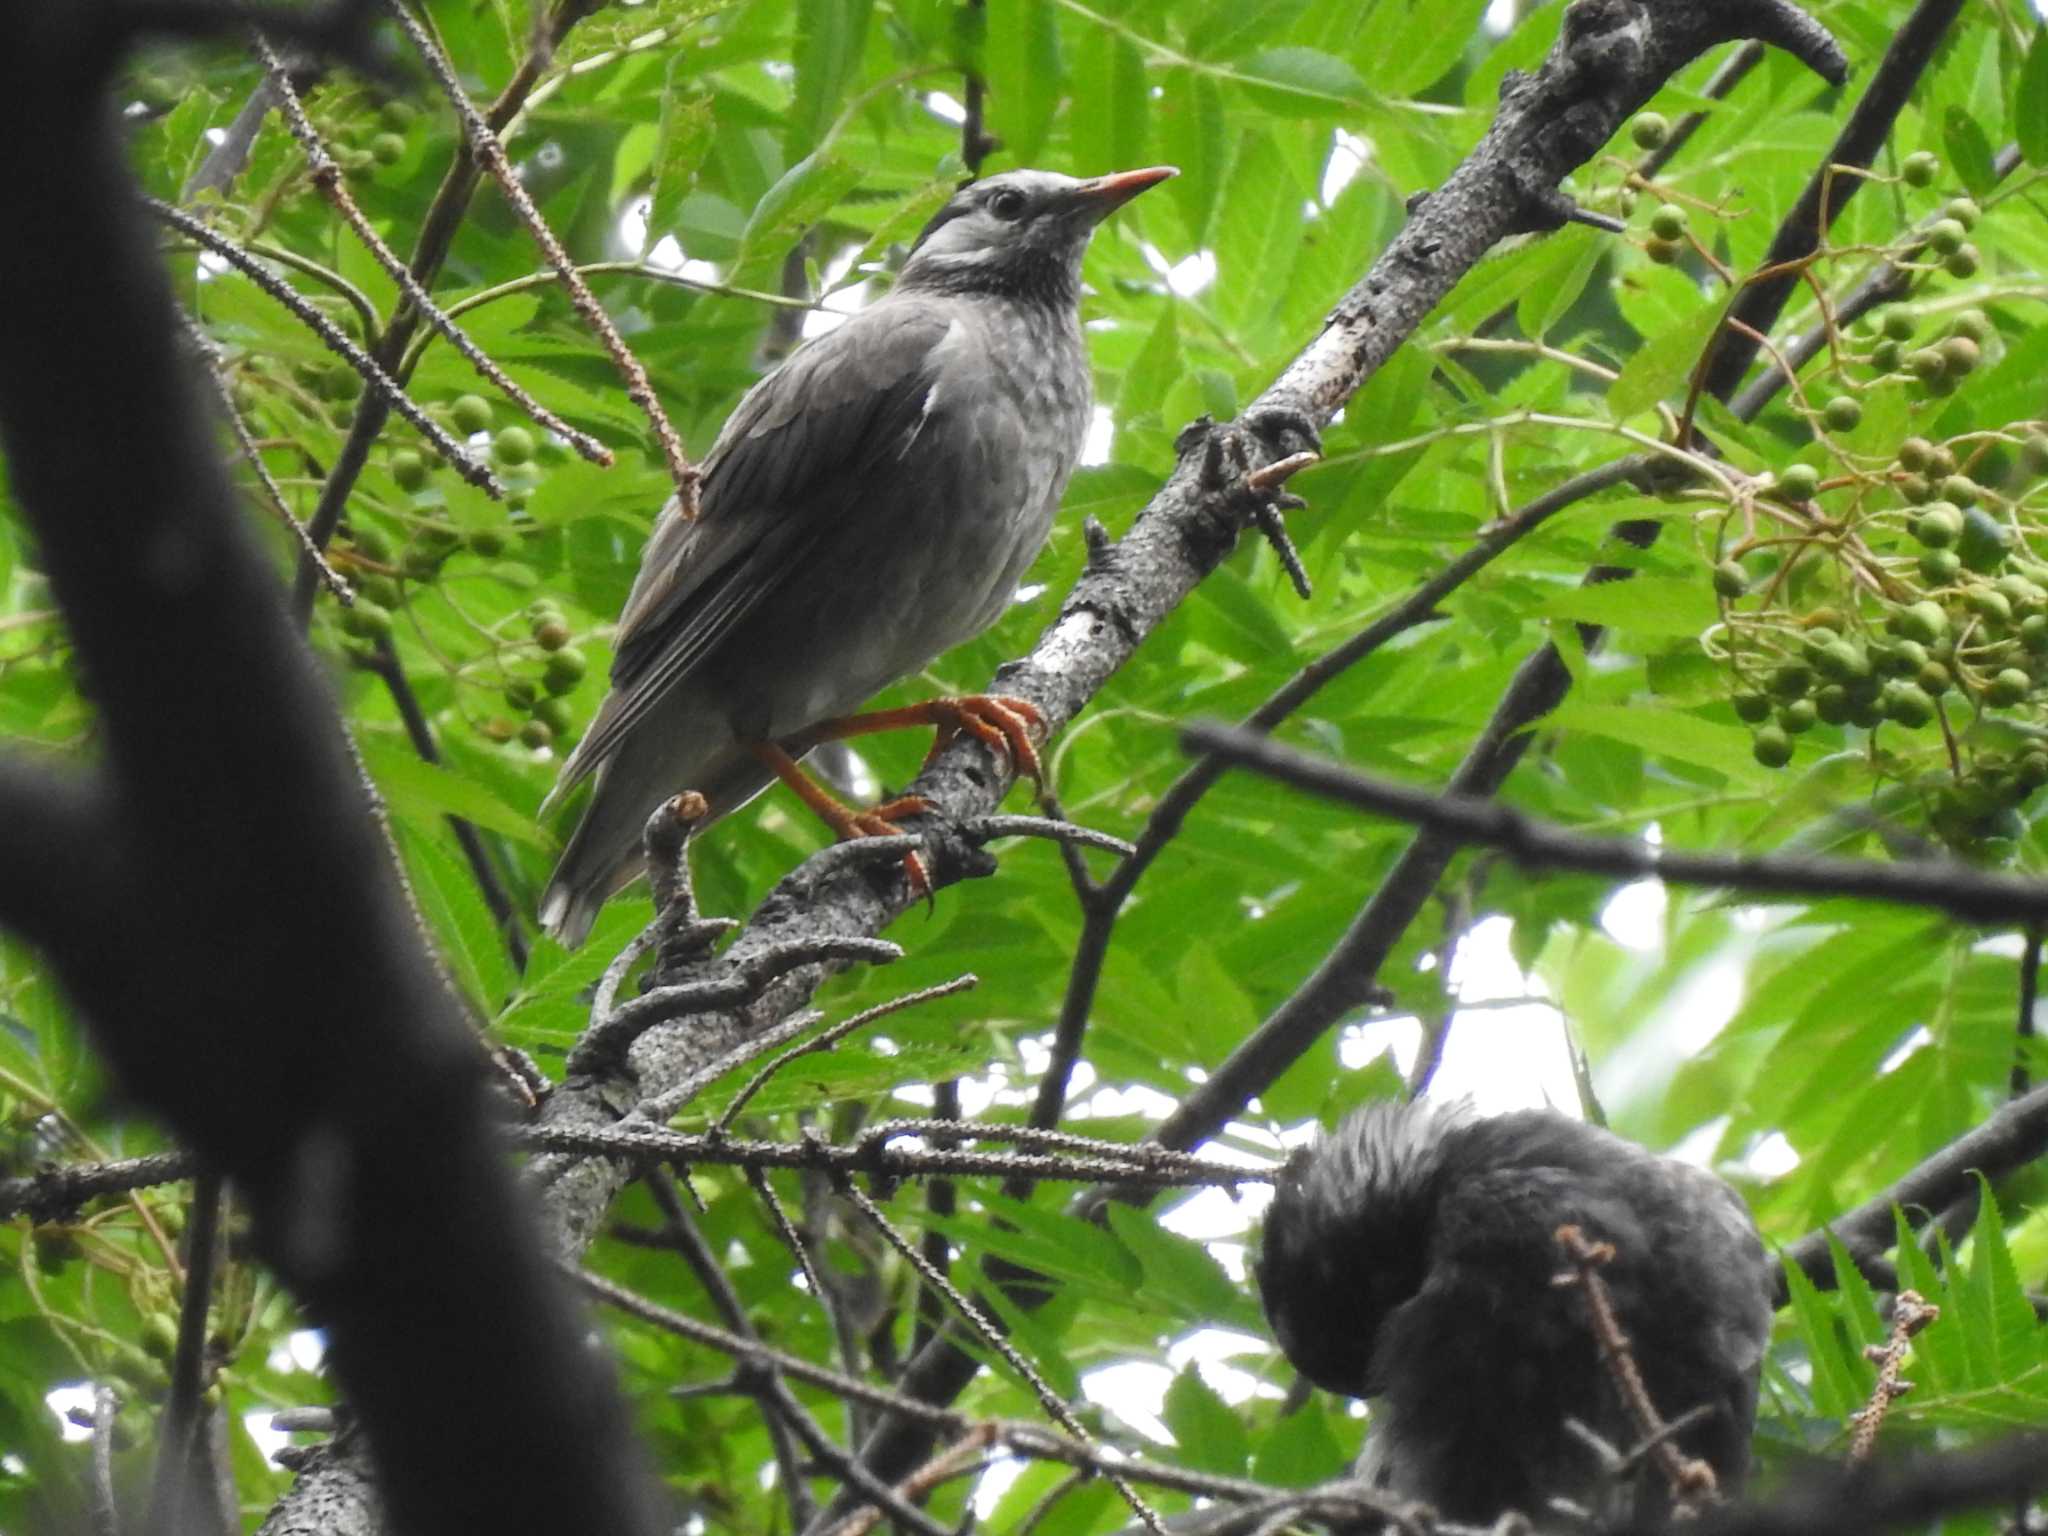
pixel 1006 725
pixel 846 822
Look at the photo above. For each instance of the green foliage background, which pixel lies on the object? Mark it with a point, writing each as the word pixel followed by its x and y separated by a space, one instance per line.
pixel 777 140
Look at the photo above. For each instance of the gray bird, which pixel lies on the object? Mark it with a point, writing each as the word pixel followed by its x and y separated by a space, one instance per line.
pixel 869 504
pixel 1408 1258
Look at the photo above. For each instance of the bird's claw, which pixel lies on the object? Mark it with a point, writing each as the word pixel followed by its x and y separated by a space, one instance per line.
pixel 1001 722
pixel 1284 429
pixel 881 822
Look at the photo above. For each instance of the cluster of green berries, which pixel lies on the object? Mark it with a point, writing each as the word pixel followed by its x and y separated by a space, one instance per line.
pixel 541 697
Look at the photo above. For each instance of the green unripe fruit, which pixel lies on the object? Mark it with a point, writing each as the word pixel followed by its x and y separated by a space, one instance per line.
pixel 1730 579
pixel 470 414
pixel 1649 130
pixel 1914 489
pixel 1993 607
pixel 2011 686
pixel 551 635
pixel 1939 526
pixel 408 469
pixel 536 734
pixel 512 445
pixel 1900 323
pixel 498 728
pixel 160 1335
pixel 554 714
pixel 1908 704
pixel 1843 661
pixel 521 693
pixel 1935 678
pixel 1905 657
pixel 1798 482
pixel 564 670
pixel 1939 567
pixel 542 612
pixel 1923 621
pixel 387 148
pixel 1751 708
pixel 1963 263
pixel 55 1248
pixel 2034 452
pixel 1941 461
pixel 1920 168
pixel 1842 414
pixel 2034 634
pixel 370 542
pixel 1668 222
pixel 1985 541
pixel 365 620
pixel 1800 716
pixel 1816 640
pixel 487 542
pixel 1886 356
pixel 1832 704
pixel 2020 592
pixel 1790 680
pixel 1964 211
pixel 1961 355
pixel 1772 747
pixel 397 116
pixel 378 589
pixel 1973 323
pixel 1926 365
pixel 2032 770
pixel 1663 252
pixel 1946 237
pixel 439 537
pixel 1915 454
pixel 420 564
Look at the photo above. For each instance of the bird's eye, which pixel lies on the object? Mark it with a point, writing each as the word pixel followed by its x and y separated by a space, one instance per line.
pixel 1008 204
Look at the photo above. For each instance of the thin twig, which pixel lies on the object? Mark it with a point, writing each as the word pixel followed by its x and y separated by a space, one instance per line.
pixel 106 1507
pixel 1691 1480
pixel 333 184
pixel 2030 988
pixel 491 153
pixel 182 1495
pixel 1910 1313
pixel 1054 1406
pixel 963 1456
pixel 826 1039
pixel 988 828
pixel 470 468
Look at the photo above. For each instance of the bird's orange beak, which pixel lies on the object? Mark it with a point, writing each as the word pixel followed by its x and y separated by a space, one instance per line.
pixel 1105 194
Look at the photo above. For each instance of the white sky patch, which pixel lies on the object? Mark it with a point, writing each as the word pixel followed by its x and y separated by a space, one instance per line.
pixel 667 254
pixel 1500 16
pixel 838 306
pixel 1914 1043
pixel 1213 1351
pixel 1503 1058
pixel 1348 154
pixel 1101 432
pixel 1634 917
pixel 1771 1158
pixel 1135 1391
pixel 61 1400
pixel 268 1440
pixel 995 1482
pixel 1186 277
pixel 940 105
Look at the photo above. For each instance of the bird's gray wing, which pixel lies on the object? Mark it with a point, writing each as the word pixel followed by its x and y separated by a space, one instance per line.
pixel 794 454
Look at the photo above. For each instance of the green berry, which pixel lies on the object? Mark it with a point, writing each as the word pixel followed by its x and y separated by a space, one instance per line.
pixel 365 620
pixel 1832 704
pixel 387 148
pixel 1963 263
pixel 1941 461
pixel 1939 525
pixel 1946 237
pixel 1790 680
pixel 536 734
pixel 1842 414
pixel 1926 365
pixel 498 728
pixel 2020 592
pixel 1773 748
pixel 512 445
pixel 2032 770
pixel 378 589
pixel 1908 704
pixel 1985 541
pixel 554 714
pixel 1924 621
pixel 408 469
pixel 552 635
pixel 1915 454
pixel 1886 356
pixel 1939 567
pixel 1914 489
pixel 1905 658
pixel 1843 660
pixel 487 542
pixel 564 670
pixel 1973 323
pixel 1668 222
pixel 370 542
pixel 520 693
pixel 1993 607
pixel 1751 708
pixel 1798 482
pixel 1920 169
pixel 397 116
pixel 1960 355
pixel 1649 130
pixel 1800 716
pixel 1935 678
pixel 1964 211
pixel 1663 252
pixel 1730 579
pixel 1900 323
pixel 2034 634
pixel 470 414
pixel 2011 686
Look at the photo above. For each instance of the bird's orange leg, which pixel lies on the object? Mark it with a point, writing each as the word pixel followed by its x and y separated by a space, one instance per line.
pixel 846 822
pixel 1002 723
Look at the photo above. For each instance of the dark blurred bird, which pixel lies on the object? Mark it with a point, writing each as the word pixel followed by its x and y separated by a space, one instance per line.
pixel 869 504
pixel 1408 1258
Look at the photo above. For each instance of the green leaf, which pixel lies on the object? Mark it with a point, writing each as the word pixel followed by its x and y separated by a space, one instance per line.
pixel 2030 101
pixel 1646 605
pixel 467 933
pixel 1205 1427
pixel 1021 60
pixel 801 196
pixel 1968 150
pixel 1667 733
pixel 422 792
pixel 1423 48
pixel 1194 134
pixel 1303 82
pixel 1839 1388
pixel 1110 73
pixel 685 139
pixel 1664 364
pixel 1182 1276
pixel 830 36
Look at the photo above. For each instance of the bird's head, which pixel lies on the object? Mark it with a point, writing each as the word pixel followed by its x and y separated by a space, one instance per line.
pixel 1020 234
